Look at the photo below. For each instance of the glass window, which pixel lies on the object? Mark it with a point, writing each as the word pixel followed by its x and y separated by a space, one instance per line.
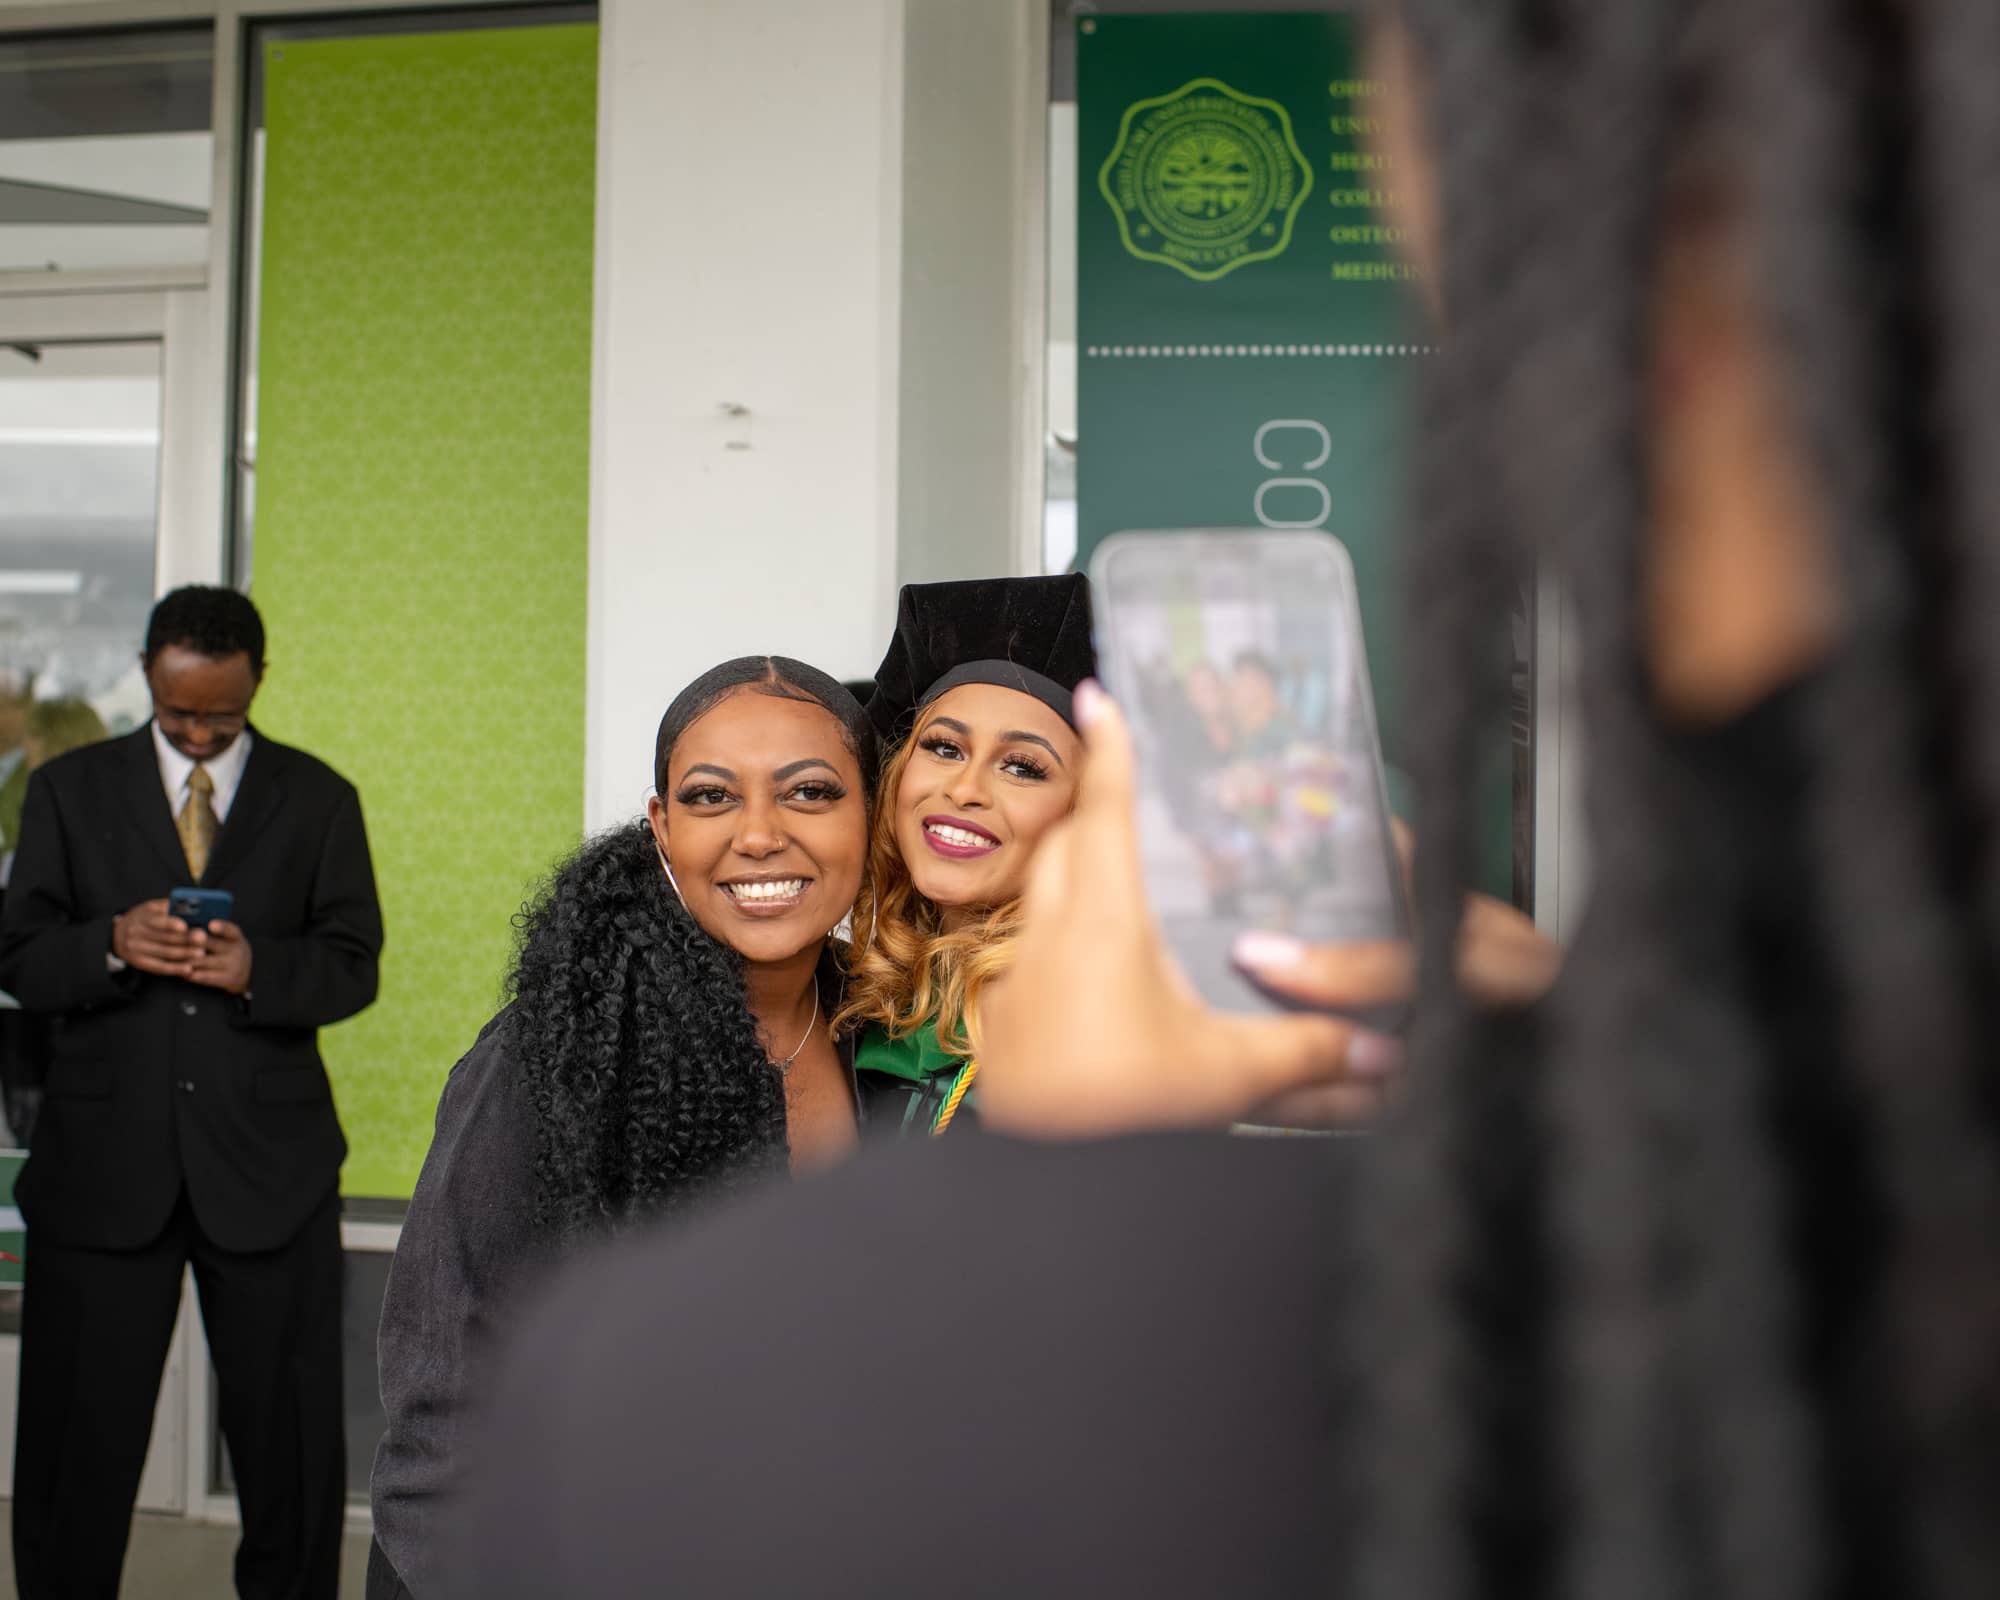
pixel 106 151
pixel 79 487
pixel 262 38
pixel 79 483
pixel 366 1270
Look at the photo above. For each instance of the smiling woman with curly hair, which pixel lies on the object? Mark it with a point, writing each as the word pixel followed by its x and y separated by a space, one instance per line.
pixel 667 1040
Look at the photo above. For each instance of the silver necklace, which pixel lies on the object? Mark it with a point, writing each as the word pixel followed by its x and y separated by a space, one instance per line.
pixel 785 1066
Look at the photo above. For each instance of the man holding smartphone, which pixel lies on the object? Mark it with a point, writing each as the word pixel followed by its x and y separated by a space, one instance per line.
pixel 187 1119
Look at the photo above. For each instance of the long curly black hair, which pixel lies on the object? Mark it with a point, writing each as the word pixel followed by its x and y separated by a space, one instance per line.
pixel 1701 1295
pixel 639 1056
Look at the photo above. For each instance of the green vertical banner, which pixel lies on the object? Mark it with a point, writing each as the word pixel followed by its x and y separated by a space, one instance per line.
pixel 1246 327
pixel 421 538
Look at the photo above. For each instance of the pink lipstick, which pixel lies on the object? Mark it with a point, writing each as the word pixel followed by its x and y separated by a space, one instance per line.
pixel 958 840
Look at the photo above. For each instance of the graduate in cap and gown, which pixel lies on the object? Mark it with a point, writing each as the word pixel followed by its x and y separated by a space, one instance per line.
pixel 973 702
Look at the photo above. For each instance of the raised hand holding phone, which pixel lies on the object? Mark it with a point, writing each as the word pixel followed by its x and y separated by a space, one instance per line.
pixel 1097 1031
pixel 1227 871
pixel 1504 960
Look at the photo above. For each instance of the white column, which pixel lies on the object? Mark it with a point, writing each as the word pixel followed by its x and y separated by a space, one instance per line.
pixel 744 462
pixel 819 337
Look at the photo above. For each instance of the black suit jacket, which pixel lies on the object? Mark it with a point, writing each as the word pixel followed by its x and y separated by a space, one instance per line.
pixel 155 1083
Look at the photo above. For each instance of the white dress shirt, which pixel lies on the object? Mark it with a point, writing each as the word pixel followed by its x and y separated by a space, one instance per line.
pixel 226 770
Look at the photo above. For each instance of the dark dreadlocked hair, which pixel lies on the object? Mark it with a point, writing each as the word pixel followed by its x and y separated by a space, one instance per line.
pixel 1591 1354
pixel 641 1060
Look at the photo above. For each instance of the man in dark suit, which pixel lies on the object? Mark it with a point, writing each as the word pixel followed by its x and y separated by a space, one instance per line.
pixel 187 1117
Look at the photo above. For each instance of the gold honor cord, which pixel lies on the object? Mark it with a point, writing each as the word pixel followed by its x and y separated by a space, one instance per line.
pixel 949 1109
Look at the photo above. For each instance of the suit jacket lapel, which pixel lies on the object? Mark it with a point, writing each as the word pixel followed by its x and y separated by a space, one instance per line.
pixel 146 798
pixel 258 797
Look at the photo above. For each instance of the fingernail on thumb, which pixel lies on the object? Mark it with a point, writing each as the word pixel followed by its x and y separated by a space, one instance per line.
pixel 1089 702
pixel 1374 1055
pixel 1268 952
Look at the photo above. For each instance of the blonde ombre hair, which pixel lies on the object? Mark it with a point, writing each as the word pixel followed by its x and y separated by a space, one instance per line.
pixel 903 968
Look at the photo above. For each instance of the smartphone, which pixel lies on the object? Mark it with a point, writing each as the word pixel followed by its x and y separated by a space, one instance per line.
pixel 1237 657
pixel 199 907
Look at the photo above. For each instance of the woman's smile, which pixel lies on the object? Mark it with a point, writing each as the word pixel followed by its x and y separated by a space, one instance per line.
pixel 765 897
pixel 957 839
pixel 986 752
pixel 763 823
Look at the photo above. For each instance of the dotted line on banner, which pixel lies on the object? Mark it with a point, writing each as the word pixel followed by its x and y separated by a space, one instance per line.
pixel 1136 351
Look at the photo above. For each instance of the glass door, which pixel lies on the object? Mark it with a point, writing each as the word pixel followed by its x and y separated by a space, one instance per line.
pixel 82 391
pixel 79 516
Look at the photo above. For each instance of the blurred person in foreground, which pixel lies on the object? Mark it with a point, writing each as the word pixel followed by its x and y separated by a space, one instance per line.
pixel 1679 1280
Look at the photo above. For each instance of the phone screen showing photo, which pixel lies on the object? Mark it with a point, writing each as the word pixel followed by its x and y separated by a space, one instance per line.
pixel 1239 661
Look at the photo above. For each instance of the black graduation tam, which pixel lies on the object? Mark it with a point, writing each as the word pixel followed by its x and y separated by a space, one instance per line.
pixel 1030 634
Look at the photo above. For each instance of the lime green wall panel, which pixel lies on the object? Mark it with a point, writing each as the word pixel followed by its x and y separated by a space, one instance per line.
pixel 420 546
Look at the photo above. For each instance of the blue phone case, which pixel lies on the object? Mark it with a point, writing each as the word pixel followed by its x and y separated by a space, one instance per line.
pixel 199 907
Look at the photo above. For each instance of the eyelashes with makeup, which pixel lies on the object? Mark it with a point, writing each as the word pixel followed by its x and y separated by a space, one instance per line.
pixel 816 792
pixel 1015 766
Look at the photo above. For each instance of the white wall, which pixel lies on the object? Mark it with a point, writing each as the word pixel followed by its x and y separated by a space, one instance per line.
pixel 749 197
pixel 819 252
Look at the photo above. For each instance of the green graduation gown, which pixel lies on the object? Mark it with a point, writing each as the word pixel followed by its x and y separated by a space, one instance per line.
pixel 905 1083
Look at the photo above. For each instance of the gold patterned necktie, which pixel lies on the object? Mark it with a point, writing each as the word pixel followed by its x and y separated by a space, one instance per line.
pixel 196 824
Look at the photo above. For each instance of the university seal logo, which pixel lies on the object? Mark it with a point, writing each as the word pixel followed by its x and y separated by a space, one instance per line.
pixel 1205 180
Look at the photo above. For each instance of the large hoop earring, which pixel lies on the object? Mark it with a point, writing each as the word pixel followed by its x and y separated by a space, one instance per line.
pixel 669 871
pixel 874 917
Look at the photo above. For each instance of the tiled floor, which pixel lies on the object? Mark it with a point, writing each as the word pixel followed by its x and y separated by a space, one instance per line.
pixel 172 1559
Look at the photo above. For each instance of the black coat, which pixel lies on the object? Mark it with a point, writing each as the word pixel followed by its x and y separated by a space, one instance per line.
pixel 469 1245
pixel 155 1083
